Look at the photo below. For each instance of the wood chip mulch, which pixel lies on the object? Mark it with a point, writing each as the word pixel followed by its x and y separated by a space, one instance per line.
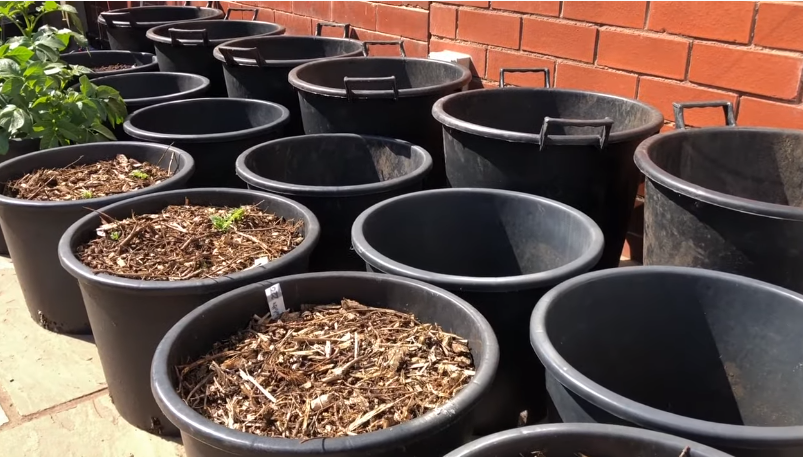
pixel 81 182
pixel 189 242
pixel 112 67
pixel 327 371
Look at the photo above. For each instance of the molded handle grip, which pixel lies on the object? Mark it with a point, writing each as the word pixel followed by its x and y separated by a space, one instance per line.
pixel 502 72
pixel 230 53
pixel 253 10
pixel 606 125
pixel 320 25
pixel 727 107
pixel 119 16
pixel 178 35
pixel 208 4
pixel 389 43
pixel 393 92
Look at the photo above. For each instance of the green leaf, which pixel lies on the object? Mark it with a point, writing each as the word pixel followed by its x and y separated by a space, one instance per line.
pixel 19 54
pixel 87 88
pixel 9 67
pixel 12 86
pixel 49 139
pixel 3 144
pixel 103 130
pixel 69 131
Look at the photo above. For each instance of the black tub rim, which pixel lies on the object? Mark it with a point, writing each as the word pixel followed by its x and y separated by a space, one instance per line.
pixel 147 25
pixel 193 423
pixel 303 86
pixel 158 34
pixel 743 205
pixel 448 120
pixel 280 63
pixel 487 444
pixel 638 413
pixel 90 222
pixel 151 66
pixel 186 166
pixel 252 178
pixel 134 102
pixel 471 283
pixel 147 135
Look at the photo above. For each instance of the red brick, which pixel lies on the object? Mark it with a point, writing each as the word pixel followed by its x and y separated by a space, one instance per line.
pixel 319 10
pixel 358 14
pixel 546 8
pixel 779 26
pixel 769 114
pixel 295 25
pixel 626 14
pixel 475 4
pixel 764 73
pixel 406 22
pixel 501 59
pixel 443 20
pixel 416 48
pixel 562 39
pixel 477 53
pixel 265 15
pixel 573 76
pixel 423 5
pixel 489 28
pixel 652 54
pixel 381 50
pixel 724 21
pixel 661 94
pixel 281 6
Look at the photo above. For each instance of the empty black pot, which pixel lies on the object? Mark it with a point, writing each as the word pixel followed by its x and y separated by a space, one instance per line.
pixel 16 148
pixel 258 67
pixel 337 176
pixel 498 250
pixel 129 317
pixel 430 435
pixel 126 27
pixel 137 61
pixel 187 46
pixel 32 228
pixel 214 130
pixel 383 96
pixel 569 145
pixel 701 354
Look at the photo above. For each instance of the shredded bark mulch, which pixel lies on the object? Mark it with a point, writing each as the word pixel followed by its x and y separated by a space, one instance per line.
pixel 112 67
pixel 190 242
pixel 81 182
pixel 327 371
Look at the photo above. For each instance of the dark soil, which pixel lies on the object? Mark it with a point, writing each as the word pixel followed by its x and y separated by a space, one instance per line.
pixel 112 67
pixel 81 182
pixel 327 371
pixel 190 242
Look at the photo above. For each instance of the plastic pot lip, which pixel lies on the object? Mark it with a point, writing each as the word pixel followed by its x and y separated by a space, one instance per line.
pixel 270 185
pixel 480 284
pixel 147 25
pixel 448 120
pixel 488 444
pixel 158 34
pixel 200 428
pixel 301 85
pixel 281 63
pixel 152 65
pixel 183 173
pixel 146 135
pixel 712 197
pixel 148 101
pixel 638 413
pixel 195 286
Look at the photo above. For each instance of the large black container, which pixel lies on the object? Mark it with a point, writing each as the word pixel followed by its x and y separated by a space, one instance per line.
pixel 139 61
pixel 572 146
pixel 701 354
pixel 16 148
pixel 129 317
pixel 384 96
pixel 337 176
pixel 500 251
pixel 258 67
pixel 187 46
pixel 214 130
pixel 126 27
pixel 32 229
pixel 726 198
pixel 431 435
pixel 573 440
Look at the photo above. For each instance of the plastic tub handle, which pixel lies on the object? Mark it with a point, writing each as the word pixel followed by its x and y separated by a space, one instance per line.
pixel 398 42
pixel 253 10
pixel 120 16
pixel 392 93
pixel 727 107
pixel 606 125
pixel 208 4
pixel 230 53
pixel 502 71
pixel 320 25
pixel 177 35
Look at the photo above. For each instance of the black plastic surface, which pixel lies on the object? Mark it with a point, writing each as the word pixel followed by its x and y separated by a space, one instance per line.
pixel 141 61
pixel 126 27
pixel 16 148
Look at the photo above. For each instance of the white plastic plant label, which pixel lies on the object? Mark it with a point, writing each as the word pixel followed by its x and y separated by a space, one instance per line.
pixel 275 301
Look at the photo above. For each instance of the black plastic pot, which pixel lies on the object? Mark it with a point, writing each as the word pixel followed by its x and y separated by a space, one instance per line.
pixel 16 148
pixel 139 61
pixel 337 176
pixel 433 434
pixel 126 27
pixel 498 250
pixel 187 46
pixel 593 440
pixel 383 96
pixel 701 354
pixel 726 198
pixel 32 229
pixel 129 317
pixel 258 67
pixel 214 130
pixel 572 146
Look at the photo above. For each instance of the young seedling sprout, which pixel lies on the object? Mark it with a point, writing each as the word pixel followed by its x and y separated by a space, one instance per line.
pixel 86 194
pixel 115 236
pixel 223 223
pixel 139 174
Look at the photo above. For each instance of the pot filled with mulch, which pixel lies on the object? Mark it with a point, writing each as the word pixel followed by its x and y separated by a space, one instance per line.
pixel 16 148
pixel 45 192
pixel 144 263
pixel 108 63
pixel 335 363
